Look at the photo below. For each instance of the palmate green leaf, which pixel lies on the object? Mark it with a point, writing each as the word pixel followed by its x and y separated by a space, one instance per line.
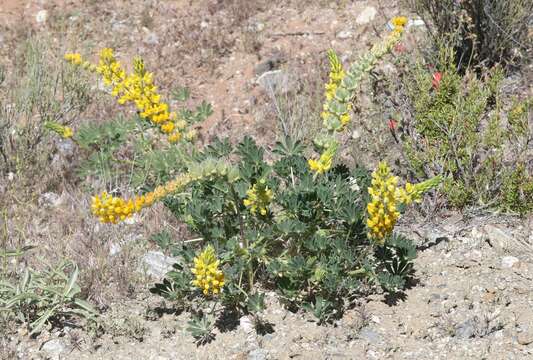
pixel 181 94
pixel 288 148
pixel 218 148
pixel 256 303
pixel 322 309
pixel 201 327
pixel 203 111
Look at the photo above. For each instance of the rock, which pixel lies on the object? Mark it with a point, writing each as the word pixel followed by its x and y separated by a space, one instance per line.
pixel 509 261
pixel 498 238
pixel 132 220
pixel 41 16
pixel 256 27
pixel 157 264
pixel 271 63
pixel 257 354
pixel 465 330
pixel 246 324
pixel 367 15
pixel 525 338
pixel 50 199
pixel 66 148
pixel 151 39
pixel 114 249
pixel 54 348
pixel 416 23
pixel 370 335
pixel 345 34
pixel 275 81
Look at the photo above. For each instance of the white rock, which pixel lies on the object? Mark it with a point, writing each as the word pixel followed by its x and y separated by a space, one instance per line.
pixel 246 324
pixel 509 261
pixel 41 16
pixel 157 264
pixel 416 23
pixel 345 34
pixel 151 39
pixel 367 15
pixel 114 249
pixel 55 348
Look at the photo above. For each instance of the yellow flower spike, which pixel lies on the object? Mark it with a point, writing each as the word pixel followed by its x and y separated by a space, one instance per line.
pixel 323 164
pixel 382 219
pixel 111 209
pixel 167 127
pixel 208 277
pixel 386 195
pixel 259 197
pixel 137 88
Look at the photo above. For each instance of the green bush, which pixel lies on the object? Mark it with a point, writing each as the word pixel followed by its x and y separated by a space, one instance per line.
pixel 484 32
pixel 464 128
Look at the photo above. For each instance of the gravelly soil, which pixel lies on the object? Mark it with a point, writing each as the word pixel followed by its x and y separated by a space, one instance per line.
pixel 473 300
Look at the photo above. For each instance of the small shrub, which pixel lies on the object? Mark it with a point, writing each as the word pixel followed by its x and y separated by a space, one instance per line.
pixel 459 126
pixel 486 32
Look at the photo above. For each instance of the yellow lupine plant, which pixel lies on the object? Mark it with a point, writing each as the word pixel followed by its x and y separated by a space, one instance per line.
pixel 340 91
pixel 137 87
pixel 259 197
pixel 386 196
pixel 208 277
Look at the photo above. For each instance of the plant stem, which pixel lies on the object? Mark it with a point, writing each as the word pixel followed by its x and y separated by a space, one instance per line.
pixel 244 240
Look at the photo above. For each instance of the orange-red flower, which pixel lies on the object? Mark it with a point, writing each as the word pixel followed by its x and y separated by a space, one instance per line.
pixel 436 80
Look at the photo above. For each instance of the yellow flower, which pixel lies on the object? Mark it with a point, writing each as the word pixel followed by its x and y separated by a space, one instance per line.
pixel 332 120
pixel 323 164
pixel 174 137
pixel 382 210
pixel 258 198
pixel 67 132
pixel 386 195
pixel 167 127
pixel 399 22
pixel 208 277
pixel 73 58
